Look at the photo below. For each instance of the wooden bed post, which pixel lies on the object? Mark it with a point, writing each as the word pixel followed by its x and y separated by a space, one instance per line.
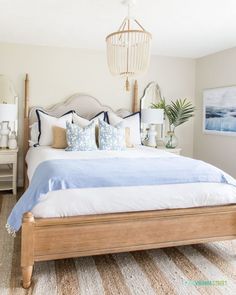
pixel 136 102
pixel 27 248
pixel 26 129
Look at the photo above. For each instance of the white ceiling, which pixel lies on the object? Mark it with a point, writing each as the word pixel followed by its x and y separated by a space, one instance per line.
pixel 186 28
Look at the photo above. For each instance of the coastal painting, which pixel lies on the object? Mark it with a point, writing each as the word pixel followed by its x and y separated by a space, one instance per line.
pixel 219 111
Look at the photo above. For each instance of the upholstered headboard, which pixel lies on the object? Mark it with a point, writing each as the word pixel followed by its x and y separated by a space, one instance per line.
pixel 84 105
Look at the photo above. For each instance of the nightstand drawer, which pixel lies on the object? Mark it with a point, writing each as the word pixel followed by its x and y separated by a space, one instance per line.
pixel 8 158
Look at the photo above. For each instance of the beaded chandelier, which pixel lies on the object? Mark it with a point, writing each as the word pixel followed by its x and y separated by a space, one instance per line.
pixel 128 49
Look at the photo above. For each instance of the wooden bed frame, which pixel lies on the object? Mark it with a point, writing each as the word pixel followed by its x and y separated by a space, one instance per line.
pixel 45 239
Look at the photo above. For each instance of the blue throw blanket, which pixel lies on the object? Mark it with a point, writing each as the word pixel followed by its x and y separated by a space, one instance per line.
pixel 91 173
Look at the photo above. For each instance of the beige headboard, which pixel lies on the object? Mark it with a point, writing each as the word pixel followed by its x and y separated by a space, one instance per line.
pixel 84 105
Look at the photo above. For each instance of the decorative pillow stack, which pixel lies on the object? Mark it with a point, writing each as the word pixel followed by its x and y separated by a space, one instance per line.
pixel 74 133
pixel 51 131
pixel 80 138
pixel 111 137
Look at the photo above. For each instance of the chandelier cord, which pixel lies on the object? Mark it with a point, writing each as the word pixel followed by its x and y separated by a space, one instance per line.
pixel 127 84
pixel 129 9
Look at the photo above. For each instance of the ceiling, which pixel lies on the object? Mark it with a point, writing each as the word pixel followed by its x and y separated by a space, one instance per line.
pixel 184 28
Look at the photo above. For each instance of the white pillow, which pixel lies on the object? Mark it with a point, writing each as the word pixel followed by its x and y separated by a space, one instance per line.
pixel 132 122
pixel 46 122
pixel 34 134
pixel 84 122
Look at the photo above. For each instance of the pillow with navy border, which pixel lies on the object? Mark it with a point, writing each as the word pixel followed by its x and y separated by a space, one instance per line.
pixel 132 122
pixel 46 123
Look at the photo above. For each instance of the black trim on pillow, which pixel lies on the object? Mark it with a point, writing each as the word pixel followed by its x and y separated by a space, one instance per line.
pixel 133 115
pixel 106 118
pixel 39 121
pixel 92 117
pixel 102 112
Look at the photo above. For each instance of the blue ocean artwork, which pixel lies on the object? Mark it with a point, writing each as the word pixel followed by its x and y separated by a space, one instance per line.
pixel 221 119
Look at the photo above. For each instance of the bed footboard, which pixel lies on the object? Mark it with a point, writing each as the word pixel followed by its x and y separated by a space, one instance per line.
pixel 57 238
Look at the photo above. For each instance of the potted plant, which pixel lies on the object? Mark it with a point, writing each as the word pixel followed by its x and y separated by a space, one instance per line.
pixel 177 112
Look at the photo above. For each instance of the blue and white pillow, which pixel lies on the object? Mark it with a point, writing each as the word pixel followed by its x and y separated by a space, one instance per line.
pixel 111 137
pixel 80 138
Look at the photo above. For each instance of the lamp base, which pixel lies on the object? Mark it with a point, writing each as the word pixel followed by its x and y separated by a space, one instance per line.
pixel 152 136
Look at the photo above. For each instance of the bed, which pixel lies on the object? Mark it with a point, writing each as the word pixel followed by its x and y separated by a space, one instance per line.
pixel 139 227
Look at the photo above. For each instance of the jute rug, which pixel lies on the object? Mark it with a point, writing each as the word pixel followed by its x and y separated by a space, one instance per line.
pixel 200 269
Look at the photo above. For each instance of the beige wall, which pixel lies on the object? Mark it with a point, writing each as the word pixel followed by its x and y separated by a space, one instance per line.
pixel 212 71
pixel 56 73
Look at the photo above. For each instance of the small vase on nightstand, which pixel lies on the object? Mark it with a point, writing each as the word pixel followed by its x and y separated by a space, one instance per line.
pixel 171 140
pixel 4 132
pixel 12 143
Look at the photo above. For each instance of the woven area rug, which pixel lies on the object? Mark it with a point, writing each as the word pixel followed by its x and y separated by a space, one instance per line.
pixel 199 269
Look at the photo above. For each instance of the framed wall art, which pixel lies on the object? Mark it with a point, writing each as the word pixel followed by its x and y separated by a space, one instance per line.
pixel 219 110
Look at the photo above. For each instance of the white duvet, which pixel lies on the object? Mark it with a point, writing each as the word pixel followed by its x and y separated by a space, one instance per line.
pixel 85 201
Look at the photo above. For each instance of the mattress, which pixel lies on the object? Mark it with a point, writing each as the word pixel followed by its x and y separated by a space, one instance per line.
pixel 37 155
pixel 87 201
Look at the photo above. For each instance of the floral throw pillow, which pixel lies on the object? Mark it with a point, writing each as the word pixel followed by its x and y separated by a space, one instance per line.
pixel 111 137
pixel 80 138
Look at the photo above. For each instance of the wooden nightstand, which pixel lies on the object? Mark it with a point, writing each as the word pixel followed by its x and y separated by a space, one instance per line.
pixel 176 151
pixel 8 170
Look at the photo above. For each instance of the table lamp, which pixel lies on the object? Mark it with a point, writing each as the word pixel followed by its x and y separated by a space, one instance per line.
pixel 152 117
pixel 7 90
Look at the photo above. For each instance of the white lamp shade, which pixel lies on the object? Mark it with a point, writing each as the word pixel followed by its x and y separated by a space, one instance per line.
pixel 8 112
pixel 152 116
pixel 7 91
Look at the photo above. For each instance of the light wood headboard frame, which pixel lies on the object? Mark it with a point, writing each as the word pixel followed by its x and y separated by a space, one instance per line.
pixel 26 129
pixel 85 105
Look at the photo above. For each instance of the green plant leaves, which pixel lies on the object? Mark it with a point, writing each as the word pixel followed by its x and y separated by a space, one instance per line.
pixel 160 105
pixel 178 112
